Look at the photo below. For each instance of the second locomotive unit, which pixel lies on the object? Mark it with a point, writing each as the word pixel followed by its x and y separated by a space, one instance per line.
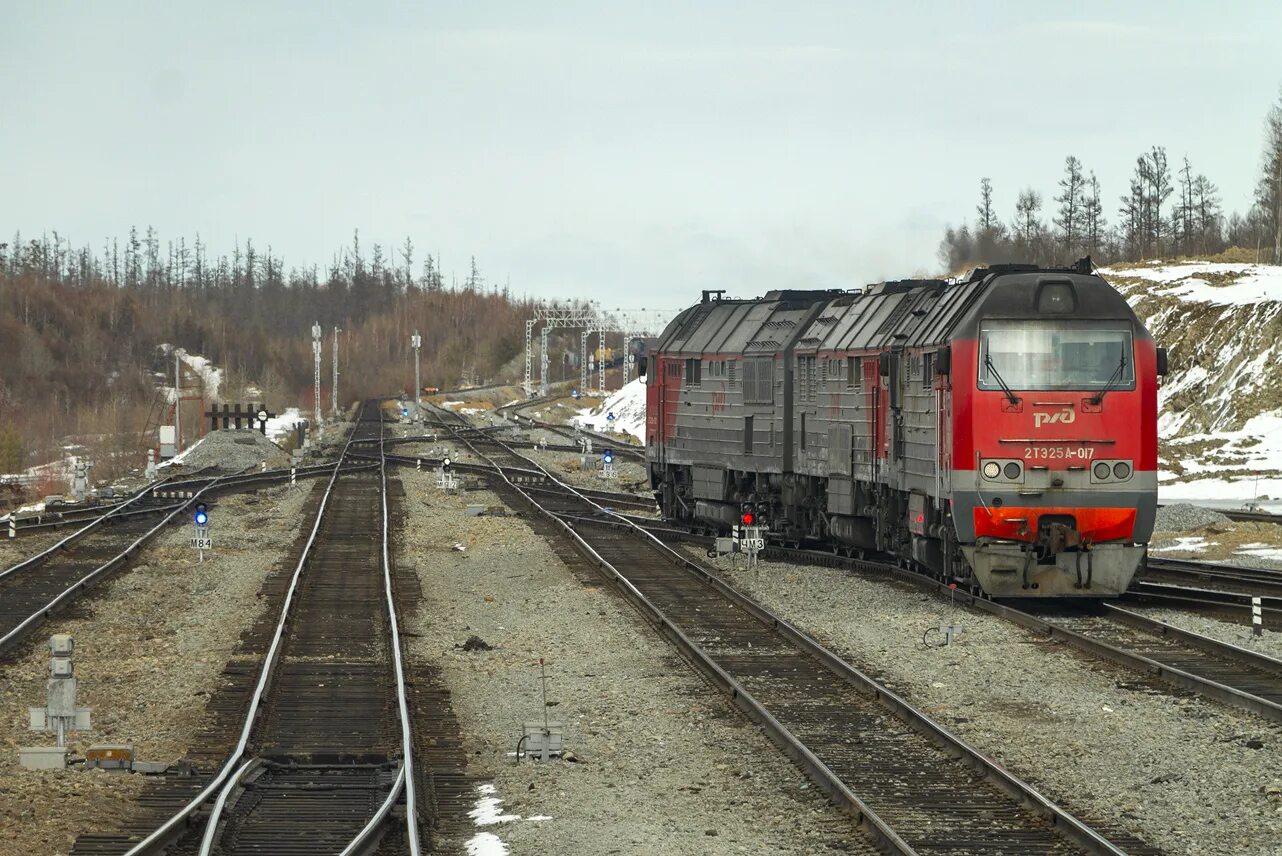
pixel 1000 431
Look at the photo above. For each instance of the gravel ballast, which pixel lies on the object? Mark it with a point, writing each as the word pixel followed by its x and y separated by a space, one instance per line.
pixel 664 765
pixel 1186 775
pixel 150 648
pixel 234 451
pixel 1183 517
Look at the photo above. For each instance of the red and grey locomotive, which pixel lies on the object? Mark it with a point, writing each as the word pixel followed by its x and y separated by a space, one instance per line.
pixel 999 431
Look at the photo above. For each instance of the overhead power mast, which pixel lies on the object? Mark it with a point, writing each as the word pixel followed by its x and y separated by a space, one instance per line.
pixel 416 341
pixel 316 353
pixel 333 390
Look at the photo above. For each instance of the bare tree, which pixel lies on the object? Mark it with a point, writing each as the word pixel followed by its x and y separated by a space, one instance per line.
pixel 1206 208
pixel 1093 222
pixel 1268 193
pixel 987 216
pixel 1070 204
pixel 1159 188
pixel 1028 226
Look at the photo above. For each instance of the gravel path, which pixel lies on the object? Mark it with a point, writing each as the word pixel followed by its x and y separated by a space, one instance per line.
pixel 150 648
pixel 1180 773
pixel 664 765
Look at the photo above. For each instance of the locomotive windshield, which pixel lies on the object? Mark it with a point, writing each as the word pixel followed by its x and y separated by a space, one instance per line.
pixel 1031 355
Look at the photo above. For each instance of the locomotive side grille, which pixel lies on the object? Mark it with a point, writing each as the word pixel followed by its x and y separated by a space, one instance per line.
pixel 758 380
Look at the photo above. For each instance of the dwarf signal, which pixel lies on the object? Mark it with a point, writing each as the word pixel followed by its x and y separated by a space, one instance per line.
pixel 201 541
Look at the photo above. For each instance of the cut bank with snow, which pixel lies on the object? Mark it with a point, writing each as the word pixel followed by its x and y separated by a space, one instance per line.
pixel 627 406
pixel 1220 408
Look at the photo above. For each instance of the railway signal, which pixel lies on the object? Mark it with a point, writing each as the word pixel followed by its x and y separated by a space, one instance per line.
pixel 607 465
pixel 201 541
pixel 749 536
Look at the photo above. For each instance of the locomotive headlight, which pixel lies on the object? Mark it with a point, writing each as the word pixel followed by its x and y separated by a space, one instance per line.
pixel 992 470
pixel 1101 471
pixel 1121 470
pixel 1011 470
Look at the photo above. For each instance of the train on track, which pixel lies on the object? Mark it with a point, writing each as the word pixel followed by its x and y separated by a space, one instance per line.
pixel 999 431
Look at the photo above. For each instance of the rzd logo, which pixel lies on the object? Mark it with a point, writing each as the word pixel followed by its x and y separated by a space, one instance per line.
pixel 1065 417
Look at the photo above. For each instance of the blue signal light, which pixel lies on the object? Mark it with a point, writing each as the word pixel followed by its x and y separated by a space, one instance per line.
pixel 202 516
pixel 608 457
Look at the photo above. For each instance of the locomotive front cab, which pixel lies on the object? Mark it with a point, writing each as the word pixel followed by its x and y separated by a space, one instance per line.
pixel 1057 420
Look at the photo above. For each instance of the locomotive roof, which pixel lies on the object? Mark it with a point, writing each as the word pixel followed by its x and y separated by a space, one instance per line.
pixel 904 313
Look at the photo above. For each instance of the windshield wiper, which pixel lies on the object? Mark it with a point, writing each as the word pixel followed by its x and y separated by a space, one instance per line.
pixel 997 376
pixel 1116 377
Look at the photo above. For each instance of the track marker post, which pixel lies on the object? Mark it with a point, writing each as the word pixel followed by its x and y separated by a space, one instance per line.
pixel 1257 617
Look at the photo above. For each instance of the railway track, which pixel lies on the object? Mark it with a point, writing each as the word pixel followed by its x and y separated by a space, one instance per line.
pixel 620 445
pixel 38 587
pixel 1237 578
pixel 912 786
pixel 325 757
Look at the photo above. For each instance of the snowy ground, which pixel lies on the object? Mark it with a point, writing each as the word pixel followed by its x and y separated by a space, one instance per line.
pixel 627 407
pixel 1220 408
pixel 210 375
pixel 1220 283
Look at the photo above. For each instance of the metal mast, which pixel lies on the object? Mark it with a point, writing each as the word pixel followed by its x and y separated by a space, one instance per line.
pixel 178 402
pixel 333 391
pixel 416 341
pixel 316 354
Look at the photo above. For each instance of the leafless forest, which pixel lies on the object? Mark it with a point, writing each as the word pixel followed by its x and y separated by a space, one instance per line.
pixel 80 330
pixel 1169 209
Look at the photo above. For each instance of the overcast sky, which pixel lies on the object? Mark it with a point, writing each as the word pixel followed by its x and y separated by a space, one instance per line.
pixel 630 152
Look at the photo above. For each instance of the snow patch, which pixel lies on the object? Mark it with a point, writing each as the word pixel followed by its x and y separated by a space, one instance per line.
pixel 486 844
pixel 488 809
pixel 1192 544
pixel 628 408
pixel 279 426
pixel 1242 284
pixel 210 375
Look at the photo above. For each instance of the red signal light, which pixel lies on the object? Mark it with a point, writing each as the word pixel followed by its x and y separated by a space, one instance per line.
pixel 747 518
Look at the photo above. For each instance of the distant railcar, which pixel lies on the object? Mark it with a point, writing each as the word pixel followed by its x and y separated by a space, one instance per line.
pixel 1000 432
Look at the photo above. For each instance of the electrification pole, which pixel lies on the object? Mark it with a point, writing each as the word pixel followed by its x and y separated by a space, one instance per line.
pixel 316 353
pixel 416 341
pixel 178 402
pixel 333 392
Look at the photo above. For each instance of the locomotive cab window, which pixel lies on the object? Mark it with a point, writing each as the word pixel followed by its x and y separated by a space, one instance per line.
pixel 1033 355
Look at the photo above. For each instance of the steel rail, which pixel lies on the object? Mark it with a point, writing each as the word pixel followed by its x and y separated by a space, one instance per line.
pixel 1202 685
pixel 163 834
pixel 227 483
pixel 405 779
pixel 69 593
pixel 43 555
pixel 363 837
pixel 1062 820
pixel 620 445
